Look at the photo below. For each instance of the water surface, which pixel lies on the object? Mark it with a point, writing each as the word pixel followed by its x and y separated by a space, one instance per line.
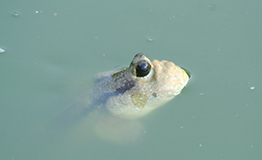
pixel 53 49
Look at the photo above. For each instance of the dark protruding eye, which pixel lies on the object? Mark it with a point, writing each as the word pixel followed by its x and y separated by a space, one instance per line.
pixel 142 69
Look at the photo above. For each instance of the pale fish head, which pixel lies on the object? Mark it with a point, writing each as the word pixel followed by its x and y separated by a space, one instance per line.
pixel 148 84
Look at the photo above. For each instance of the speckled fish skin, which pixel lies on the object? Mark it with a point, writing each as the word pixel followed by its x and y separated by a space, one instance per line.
pixel 140 95
pixel 125 95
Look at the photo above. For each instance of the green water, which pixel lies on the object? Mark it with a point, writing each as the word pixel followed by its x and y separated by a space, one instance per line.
pixel 53 49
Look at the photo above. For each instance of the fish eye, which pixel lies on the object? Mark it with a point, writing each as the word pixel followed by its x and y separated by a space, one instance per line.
pixel 142 69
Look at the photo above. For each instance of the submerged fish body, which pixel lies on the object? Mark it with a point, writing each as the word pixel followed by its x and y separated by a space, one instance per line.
pixel 131 92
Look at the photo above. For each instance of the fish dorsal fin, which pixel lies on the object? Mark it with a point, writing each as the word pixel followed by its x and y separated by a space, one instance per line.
pixel 101 76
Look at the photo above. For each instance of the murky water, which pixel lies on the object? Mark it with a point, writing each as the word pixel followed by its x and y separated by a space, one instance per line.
pixel 50 51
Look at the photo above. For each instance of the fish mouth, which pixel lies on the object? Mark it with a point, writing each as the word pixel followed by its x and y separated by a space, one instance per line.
pixel 187 72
